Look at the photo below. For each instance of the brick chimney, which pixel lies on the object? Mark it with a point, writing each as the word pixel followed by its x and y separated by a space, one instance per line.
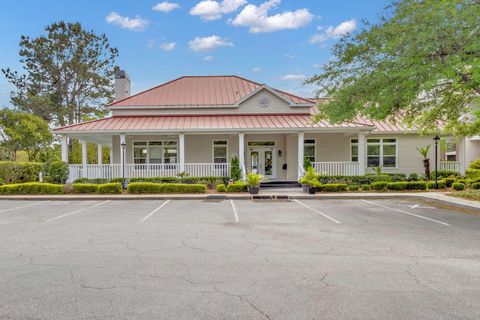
pixel 122 85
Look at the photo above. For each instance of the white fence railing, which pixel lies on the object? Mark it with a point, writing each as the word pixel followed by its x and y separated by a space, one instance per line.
pixel 110 171
pixel 450 166
pixel 336 168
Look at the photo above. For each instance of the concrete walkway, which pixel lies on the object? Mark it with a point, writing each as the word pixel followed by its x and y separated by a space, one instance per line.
pixel 436 197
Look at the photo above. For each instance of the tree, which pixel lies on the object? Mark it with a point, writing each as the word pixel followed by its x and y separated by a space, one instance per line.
pixel 23 131
pixel 420 62
pixel 68 74
pixel 426 161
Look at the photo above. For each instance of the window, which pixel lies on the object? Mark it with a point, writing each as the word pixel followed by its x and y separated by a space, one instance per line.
pixel 220 152
pixel 154 152
pixel 380 152
pixel 309 149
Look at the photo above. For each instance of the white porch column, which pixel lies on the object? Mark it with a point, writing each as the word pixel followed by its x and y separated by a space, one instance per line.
pixel 241 150
pixel 111 154
pixel 99 154
pixel 301 151
pixel 65 149
pixel 461 154
pixel 181 151
pixel 362 148
pixel 84 152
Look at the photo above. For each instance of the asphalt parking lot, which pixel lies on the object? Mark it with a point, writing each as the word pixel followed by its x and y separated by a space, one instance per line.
pixel 307 259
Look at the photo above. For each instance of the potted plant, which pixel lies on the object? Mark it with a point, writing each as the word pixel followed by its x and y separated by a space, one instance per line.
pixel 307 178
pixel 312 186
pixel 253 182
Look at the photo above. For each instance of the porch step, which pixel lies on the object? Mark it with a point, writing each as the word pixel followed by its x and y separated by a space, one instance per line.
pixel 280 184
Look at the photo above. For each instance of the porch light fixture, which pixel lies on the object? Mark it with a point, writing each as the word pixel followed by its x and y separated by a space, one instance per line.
pixel 123 144
pixel 436 139
pixel 280 153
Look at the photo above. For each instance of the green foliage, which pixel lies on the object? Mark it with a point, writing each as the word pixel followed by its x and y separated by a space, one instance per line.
pixel 475 164
pixel 149 187
pixel 188 180
pixel 397 176
pixel 56 172
pixel 68 74
pixel 309 176
pixel 379 186
pixel 381 177
pixel 332 187
pixel 420 60
pixel 407 185
pixel 110 188
pixel 359 180
pixel 353 187
pixel 31 188
pixel 221 188
pixel 416 185
pixel 424 151
pixel 413 177
pixel 449 182
pixel 445 174
pixel 254 179
pixel 378 171
pixel 472 173
pixel 84 188
pixel 237 187
pixel 23 131
pixel 397 186
pixel 17 172
pixel 235 170
pixel 92 181
pixel 442 184
pixel 458 186
pixel 475 185
pixel 366 187
pixel 307 163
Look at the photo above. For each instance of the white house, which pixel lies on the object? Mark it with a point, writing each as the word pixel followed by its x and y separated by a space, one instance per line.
pixel 196 124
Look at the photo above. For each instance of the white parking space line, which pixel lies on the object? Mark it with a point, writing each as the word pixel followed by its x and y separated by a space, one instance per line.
pixel 77 211
pixel 25 206
pixel 406 212
pixel 235 213
pixel 154 211
pixel 317 211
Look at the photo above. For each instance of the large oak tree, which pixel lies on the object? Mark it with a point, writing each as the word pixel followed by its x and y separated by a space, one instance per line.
pixel 420 62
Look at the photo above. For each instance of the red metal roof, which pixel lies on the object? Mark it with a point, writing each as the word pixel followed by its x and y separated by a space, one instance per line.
pixel 204 122
pixel 201 91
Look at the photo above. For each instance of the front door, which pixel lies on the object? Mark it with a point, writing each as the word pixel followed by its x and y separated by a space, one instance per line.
pixel 262 161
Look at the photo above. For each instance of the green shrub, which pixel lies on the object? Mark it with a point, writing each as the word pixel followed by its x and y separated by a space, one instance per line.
pixel 19 172
pixel 366 187
pixel 416 185
pixel 84 188
pixel 32 188
pixel 397 185
pixel 91 181
pixel 459 180
pixel 440 183
pixel 221 188
pixel 413 177
pixel 397 177
pixel 380 185
pixel 445 174
pixel 150 187
pixel 235 170
pixel 237 187
pixel 354 187
pixel 56 171
pixel 475 164
pixel 2 182
pixel 475 185
pixel 472 173
pixel 349 180
pixel 381 178
pixel 181 180
pixel 110 188
pixel 332 187
pixel 449 182
pixel 456 186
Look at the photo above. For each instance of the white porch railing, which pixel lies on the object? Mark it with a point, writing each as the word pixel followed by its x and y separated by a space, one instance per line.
pixel 110 171
pixel 336 168
pixel 450 166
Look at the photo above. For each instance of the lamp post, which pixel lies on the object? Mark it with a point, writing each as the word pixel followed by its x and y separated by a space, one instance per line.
pixel 123 144
pixel 436 139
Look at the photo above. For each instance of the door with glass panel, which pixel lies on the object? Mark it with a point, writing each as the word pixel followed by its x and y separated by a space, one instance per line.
pixel 262 161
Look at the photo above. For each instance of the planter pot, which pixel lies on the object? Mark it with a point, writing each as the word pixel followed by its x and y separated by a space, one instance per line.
pixel 305 188
pixel 312 190
pixel 254 190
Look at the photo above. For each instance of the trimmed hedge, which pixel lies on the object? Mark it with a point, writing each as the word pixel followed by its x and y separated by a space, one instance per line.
pixel 456 186
pixel 380 185
pixel 397 186
pixel 445 174
pixel 84 188
pixel 332 187
pixel 237 187
pixel 380 178
pixel 472 173
pixel 32 188
pixel 416 185
pixel 55 172
pixel 366 187
pixel 150 187
pixel 440 183
pixel 354 187
pixel 184 180
pixel 19 172
pixel 449 182
pixel 110 188
pixel 349 180
pixel 475 185
pixel 221 188
pixel 91 181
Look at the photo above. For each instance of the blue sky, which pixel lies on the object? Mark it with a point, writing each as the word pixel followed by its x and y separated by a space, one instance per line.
pixel 269 41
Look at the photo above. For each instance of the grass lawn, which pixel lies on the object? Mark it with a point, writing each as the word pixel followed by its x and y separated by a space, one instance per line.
pixel 468 194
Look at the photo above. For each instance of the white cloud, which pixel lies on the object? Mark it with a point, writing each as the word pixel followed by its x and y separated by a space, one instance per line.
pixel 166 6
pixel 317 65
pixel 293 77
pixel 257 19
pixel 257 69
pixel 334 32
pixel 208 58
pixel 132 24
pixel 209 43
pixel 168 46
pixel 213 10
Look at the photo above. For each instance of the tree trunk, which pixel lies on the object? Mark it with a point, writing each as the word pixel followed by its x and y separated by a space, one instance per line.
pixel 426 165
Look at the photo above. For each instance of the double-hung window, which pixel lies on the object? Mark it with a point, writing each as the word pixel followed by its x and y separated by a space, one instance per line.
pixel 309 149
pixel 220 151
pixel 380 152
pixel 154 152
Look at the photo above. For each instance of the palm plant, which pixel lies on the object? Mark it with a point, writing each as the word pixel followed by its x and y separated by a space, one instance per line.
pixel 254 179
pixel 378 171
pixel 426 161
